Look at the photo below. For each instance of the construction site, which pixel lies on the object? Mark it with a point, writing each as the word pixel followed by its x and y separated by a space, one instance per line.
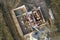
pixel 31 21
pixel 35 24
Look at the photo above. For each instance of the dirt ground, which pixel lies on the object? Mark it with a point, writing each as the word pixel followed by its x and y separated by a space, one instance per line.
pixel 57 36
